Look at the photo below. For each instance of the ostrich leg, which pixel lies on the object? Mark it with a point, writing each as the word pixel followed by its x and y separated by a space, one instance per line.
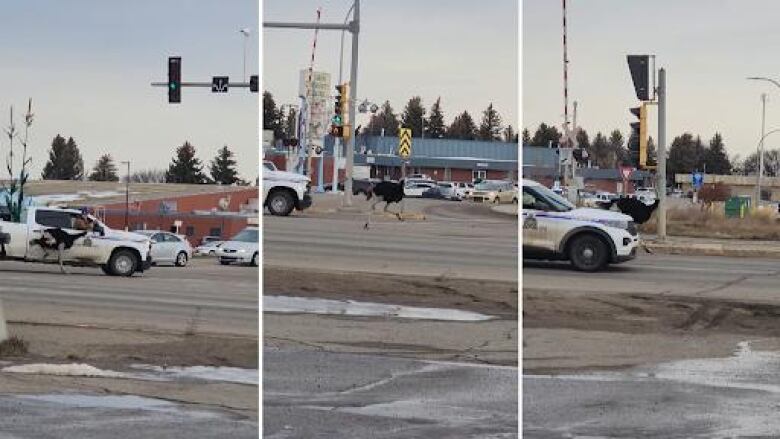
pixel 60 250
pixel 373 206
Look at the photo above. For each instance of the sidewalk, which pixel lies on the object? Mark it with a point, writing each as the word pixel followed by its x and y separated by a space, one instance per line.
pixel 682 245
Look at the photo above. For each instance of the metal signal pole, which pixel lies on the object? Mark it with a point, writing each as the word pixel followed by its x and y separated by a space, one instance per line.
pixel 661 155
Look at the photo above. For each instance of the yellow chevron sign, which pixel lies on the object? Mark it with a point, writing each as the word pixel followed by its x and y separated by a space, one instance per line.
pixel 404 142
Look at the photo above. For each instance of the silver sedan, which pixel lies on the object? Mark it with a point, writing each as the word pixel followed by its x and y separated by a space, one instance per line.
pixel 168 248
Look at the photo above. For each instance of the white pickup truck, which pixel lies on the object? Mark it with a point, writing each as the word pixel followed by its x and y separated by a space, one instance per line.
pixel 284 191
pixel 116 252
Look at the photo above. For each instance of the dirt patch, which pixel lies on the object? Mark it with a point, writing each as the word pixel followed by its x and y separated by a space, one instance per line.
pixel 13 346
pixel 578 331
pixel 494 298
pixel 117 349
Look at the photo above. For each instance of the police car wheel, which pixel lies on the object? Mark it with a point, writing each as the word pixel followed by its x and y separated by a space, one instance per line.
pixel 588 253
pixel 181 259
pixel 280 203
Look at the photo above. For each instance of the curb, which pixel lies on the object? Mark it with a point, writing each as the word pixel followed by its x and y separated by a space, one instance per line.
pixel 711 250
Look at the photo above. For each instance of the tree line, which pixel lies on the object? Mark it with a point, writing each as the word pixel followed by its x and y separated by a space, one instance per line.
pixel 413 116
pixel 66 163
pixel 687 153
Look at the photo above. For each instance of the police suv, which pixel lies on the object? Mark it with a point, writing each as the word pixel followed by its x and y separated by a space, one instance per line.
pixel 555 229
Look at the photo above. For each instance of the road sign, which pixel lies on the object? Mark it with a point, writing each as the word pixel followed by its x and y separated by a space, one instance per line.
pixel 697 178
pixel 404 142
pixel 219 84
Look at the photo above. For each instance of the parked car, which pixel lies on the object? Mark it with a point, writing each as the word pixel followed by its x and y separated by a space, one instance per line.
pixel 494 191
pixel 168 248
pixel 208 249
pixel 416 189
pixel 464 189
pixel 206 239
pixel 449 190
pixel 244 248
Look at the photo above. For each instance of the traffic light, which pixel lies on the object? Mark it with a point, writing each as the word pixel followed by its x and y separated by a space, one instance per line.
pixel 338 117
pixel 253 83
pixel 639 131
pixel 174 80
pixel 640 67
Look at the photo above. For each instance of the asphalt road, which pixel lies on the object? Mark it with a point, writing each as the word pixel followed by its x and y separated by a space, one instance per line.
pixel 358 376
pixel 215 298
pixel 455 240
pixel 745 279
pixel 76 416
pixel 689 318
pixel 309 394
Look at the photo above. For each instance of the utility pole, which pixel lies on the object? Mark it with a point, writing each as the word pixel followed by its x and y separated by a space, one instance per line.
pixel 127 195
pixel 760 174
pixel 355 28
pixel 661 155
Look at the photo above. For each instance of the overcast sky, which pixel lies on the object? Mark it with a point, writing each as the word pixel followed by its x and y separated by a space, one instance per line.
pixel 464 51
pixel 88 65
pixel 708 47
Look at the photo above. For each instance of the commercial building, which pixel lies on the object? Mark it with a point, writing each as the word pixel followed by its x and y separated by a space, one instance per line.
pixel 441 159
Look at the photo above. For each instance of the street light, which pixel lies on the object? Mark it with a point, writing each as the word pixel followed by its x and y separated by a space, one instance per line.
pixel 761 144
pixel 127 195
pixel 245 32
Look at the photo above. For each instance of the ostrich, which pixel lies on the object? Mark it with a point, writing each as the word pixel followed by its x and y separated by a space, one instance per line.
pixel 387 192
pixel 636 209
pixel 57 239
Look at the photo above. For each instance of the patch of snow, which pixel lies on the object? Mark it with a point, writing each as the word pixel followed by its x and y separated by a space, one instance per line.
pixel 286 304
pixel 207 373
pixel 72 369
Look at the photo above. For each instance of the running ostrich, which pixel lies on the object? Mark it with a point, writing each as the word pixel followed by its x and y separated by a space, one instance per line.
pixel 59 240
pixel 387 192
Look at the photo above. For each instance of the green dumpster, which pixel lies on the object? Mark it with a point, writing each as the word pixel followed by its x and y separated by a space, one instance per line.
pixel 737 207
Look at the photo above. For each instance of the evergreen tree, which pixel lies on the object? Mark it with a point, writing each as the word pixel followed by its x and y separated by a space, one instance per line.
pixel 223 167
pixel 652 153
pixel 582 139
pixel 685 155
pixel 526 137
pixel 272 117
pixel 436 128
pixel 546 134
pixel 462 127
pixel 716 158
pixel 619 152
pixel 65 162
pixel 384 119
pixel 104 170
pixel 490 128
pixel 601 153
pixel 414 116
pixel 185 167
pixel 290 126
pixel 509 134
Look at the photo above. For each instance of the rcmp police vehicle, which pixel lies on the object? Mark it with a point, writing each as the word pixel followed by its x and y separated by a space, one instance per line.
pixel 555 229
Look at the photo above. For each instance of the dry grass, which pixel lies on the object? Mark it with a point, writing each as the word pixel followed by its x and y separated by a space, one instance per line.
pixel 760 224
pixel 13 346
